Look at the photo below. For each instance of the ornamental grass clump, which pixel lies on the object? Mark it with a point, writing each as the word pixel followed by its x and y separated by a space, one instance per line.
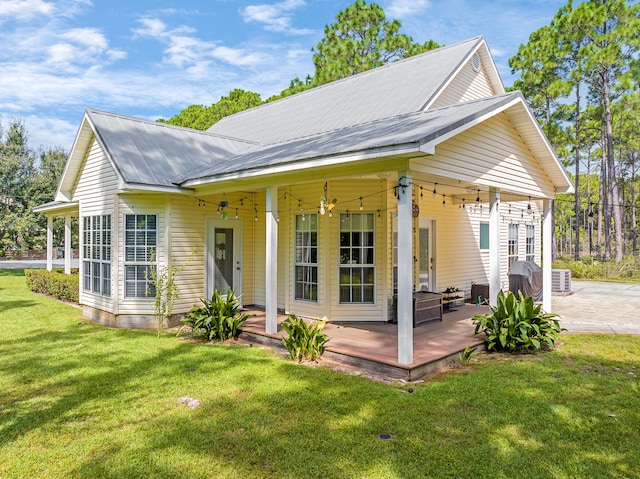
pixel 517 325
pixel 218 319
pixel 305 341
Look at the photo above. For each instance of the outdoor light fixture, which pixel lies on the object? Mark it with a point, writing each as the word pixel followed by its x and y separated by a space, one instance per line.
pixel 478 198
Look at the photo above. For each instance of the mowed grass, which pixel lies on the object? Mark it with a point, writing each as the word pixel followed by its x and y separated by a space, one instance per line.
pixel 80 400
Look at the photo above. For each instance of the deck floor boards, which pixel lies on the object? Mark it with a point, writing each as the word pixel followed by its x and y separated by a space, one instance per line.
pixel 373 346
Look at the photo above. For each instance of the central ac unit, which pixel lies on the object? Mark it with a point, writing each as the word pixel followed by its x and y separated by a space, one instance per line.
pixel 561 280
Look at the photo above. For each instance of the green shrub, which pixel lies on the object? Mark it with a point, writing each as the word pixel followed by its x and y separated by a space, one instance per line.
pixel 305 340
pixel 54 283
pixel 517 325
pixel 217 319
pixel 595 268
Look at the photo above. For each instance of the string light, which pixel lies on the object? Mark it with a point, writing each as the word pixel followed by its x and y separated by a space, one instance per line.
pixel 361 207
pixel 478 198
pixel 463 205
pixel 236 213
pixel 421 195
pixel 444 203
pixel 434 193
pixel 529 210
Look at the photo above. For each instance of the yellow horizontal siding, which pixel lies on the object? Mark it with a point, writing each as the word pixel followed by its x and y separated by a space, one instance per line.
pixel 491 153
pixel 95 190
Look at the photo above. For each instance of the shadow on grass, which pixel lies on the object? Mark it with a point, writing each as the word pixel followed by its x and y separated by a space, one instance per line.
pixel 7 272
pixel 7 305
pixel 538 416
pixel 326 425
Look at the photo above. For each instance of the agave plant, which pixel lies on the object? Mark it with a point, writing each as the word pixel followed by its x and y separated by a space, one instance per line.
pixel 517 325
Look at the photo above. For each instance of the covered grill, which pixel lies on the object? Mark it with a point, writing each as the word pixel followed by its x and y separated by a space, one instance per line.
pixel 526 276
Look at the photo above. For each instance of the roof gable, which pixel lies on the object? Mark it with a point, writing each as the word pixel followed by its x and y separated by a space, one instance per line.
pixel 402 87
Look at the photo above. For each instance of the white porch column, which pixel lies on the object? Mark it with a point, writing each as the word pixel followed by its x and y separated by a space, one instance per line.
pixel 547 217
pixel 49 243
pixel 405 269
pixel 494 246
pixel 271 279
pixel 67 243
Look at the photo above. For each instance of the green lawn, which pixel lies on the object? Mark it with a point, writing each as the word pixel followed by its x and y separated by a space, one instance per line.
pixel 79 400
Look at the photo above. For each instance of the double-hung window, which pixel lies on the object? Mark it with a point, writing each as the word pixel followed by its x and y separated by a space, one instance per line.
pixel 306 260
pixel 512 253
pixel 357 266
pixel 530 244
pixel 96 254
pixel 140 242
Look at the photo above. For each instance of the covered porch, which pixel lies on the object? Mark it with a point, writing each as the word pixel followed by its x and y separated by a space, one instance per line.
pixel 68 211
pixel 372 347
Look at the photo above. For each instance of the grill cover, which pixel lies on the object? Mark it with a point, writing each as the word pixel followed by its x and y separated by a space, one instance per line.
pixel 526 276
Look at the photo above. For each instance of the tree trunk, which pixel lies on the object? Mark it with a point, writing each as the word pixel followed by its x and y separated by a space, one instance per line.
pixel 634 230
pixel 614 195
pixel 603 205
pixel 576 255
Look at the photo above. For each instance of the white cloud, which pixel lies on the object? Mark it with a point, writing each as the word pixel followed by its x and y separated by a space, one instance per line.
pixel 25 9
pixel 275 17
pixel 402 9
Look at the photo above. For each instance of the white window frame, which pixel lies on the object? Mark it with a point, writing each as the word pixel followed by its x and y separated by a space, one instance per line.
pixel 512 244
pixel 140 244
pixel 356 259
pixel 306 250
pixel 484 225
pixel 530 243
pixel 96 254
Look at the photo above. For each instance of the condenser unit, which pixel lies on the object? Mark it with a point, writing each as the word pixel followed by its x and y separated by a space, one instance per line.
pixel 561 280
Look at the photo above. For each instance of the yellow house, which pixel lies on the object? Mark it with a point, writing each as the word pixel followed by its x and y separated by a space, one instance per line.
pixel 337 202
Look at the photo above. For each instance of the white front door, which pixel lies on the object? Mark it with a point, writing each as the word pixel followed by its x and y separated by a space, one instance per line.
pixel 224 256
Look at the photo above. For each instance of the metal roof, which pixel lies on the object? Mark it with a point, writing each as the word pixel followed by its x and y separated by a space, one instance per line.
pixel 414 129
pixel 395 89
pixel 151 153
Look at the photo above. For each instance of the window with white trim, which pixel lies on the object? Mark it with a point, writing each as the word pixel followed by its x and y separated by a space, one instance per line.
pixel 512 253
pixel 530 245
pixel 140 242
pixel 484 235
pixel 306 257
pixel 357 270
pixel 96 254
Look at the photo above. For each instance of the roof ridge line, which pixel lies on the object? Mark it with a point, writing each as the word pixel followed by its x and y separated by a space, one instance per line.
pixel 170 126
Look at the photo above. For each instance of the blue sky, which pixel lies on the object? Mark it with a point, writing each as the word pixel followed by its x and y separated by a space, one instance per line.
pixel 152 58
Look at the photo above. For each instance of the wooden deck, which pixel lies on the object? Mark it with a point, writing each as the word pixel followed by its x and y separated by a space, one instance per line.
pixel 373 346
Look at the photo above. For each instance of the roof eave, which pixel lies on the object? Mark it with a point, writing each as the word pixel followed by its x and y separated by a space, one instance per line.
pixel 339 158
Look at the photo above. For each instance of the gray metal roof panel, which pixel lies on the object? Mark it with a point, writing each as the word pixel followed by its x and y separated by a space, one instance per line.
pixel 417 128
pixel 394 89
pixel 151 153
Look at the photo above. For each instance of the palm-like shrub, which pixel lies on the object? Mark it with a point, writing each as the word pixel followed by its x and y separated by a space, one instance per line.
pixel 517 325
pixel 304 340
pixel 217 319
